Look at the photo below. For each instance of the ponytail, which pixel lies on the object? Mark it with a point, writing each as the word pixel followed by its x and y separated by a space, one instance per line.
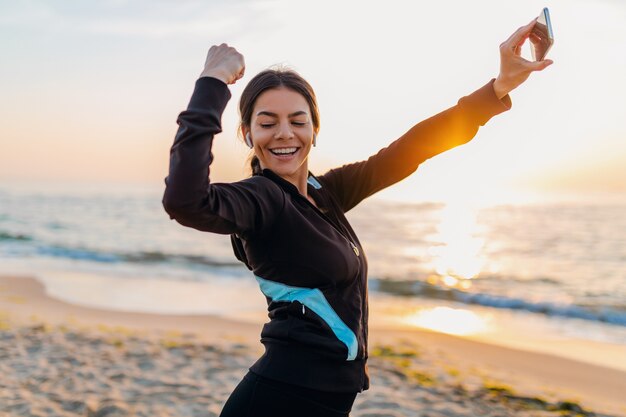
pixel 255 165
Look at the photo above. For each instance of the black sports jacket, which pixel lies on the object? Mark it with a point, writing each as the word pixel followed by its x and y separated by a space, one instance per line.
pixel 308 262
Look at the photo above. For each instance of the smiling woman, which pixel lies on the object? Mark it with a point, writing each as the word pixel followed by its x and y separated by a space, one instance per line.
pixel 280 121
pixel 281 140
pixel 289 226
pixel 282 135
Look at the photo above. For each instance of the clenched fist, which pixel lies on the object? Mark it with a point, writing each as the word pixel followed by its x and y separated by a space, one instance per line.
pixel 224 63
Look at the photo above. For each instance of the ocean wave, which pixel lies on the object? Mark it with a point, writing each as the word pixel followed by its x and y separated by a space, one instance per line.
pixel 607 314
pixel 12 236
pixel 134 257
pixel 178 258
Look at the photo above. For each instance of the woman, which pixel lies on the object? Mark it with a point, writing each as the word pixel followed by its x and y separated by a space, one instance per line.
pixel 288 225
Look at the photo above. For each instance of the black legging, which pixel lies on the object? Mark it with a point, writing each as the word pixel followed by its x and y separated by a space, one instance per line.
pixel 256 396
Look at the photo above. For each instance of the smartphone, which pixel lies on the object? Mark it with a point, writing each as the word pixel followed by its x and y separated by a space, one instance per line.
pixel 541 37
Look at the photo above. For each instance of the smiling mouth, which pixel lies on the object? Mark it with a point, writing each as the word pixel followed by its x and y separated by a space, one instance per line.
pixel 284 151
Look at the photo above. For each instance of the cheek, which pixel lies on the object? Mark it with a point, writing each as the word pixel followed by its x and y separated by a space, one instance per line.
pixel 260 138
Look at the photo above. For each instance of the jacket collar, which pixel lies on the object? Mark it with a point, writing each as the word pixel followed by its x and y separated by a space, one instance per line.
pixel 286 185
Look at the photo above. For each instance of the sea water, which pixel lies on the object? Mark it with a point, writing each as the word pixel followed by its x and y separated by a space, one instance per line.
pixel 545 270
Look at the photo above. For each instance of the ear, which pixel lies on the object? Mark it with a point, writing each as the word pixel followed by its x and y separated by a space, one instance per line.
pixel 245 131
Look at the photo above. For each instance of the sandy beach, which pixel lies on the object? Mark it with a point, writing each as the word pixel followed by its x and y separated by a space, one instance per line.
pixel 59 359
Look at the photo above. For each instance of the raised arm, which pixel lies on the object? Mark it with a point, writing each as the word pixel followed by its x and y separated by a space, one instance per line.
pixel 243 207
pixel 453 127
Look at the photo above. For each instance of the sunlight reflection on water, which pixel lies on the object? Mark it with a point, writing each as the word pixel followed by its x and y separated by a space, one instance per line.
pixel 449 320
pixel 456 248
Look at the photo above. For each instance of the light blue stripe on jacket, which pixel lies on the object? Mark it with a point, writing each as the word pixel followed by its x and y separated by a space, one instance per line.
pixel 314 299
pixel 315 183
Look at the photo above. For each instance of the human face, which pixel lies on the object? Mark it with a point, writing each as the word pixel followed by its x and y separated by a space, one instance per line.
pixel 281 130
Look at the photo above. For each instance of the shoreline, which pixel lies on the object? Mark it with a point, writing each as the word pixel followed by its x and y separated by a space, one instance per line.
pixel 434 360
pixel 576 339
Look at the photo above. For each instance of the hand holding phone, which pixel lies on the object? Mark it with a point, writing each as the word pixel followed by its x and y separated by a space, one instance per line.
pixel 514 69
pixel 541 37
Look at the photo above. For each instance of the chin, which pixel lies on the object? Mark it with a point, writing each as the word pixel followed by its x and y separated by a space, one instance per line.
pixel 284 171
pixel 288 165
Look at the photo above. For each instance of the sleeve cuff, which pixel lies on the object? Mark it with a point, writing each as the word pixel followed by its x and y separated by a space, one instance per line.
pixel 506 100
pixel 209 93
pixel 483 103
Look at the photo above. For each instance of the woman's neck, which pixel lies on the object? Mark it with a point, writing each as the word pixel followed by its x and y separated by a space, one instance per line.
pixel 298 178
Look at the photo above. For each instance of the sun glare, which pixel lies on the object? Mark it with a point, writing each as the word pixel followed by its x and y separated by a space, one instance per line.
pixel 448 320
pixel 456 252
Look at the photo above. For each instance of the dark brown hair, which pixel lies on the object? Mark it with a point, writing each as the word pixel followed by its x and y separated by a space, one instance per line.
pixel 267 80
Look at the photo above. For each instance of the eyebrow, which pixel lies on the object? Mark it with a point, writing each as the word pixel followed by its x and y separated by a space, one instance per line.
pixel 267 113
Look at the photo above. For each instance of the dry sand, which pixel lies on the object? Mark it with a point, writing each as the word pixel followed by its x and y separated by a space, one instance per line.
pixel 58 359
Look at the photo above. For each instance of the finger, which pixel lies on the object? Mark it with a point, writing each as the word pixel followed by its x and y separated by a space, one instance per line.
pixel 540 65
pixel 518 47
pixel 520 33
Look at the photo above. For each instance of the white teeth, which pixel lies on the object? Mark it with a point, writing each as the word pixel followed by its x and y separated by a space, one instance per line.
pixel 283 150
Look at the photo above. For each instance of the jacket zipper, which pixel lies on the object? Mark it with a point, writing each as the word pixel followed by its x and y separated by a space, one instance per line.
pixel 355 249
pixel 357 253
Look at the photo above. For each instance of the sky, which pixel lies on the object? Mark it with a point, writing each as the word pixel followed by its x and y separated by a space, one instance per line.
pixel 90 90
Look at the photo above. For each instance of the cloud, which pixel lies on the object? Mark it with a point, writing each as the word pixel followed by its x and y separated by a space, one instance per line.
pixel 153 19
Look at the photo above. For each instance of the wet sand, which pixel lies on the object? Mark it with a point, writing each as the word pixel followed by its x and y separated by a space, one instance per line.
pixel 59 359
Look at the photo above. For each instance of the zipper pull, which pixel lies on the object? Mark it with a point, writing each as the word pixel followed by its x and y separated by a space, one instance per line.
pixel 303 311
pixel 355 249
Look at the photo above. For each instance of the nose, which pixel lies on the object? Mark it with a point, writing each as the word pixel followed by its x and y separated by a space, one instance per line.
pixel 284 131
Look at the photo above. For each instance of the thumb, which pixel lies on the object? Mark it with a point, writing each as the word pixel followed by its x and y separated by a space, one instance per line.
pixel 541 65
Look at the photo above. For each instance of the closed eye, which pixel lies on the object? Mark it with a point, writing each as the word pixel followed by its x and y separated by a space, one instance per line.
pixel 268 125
